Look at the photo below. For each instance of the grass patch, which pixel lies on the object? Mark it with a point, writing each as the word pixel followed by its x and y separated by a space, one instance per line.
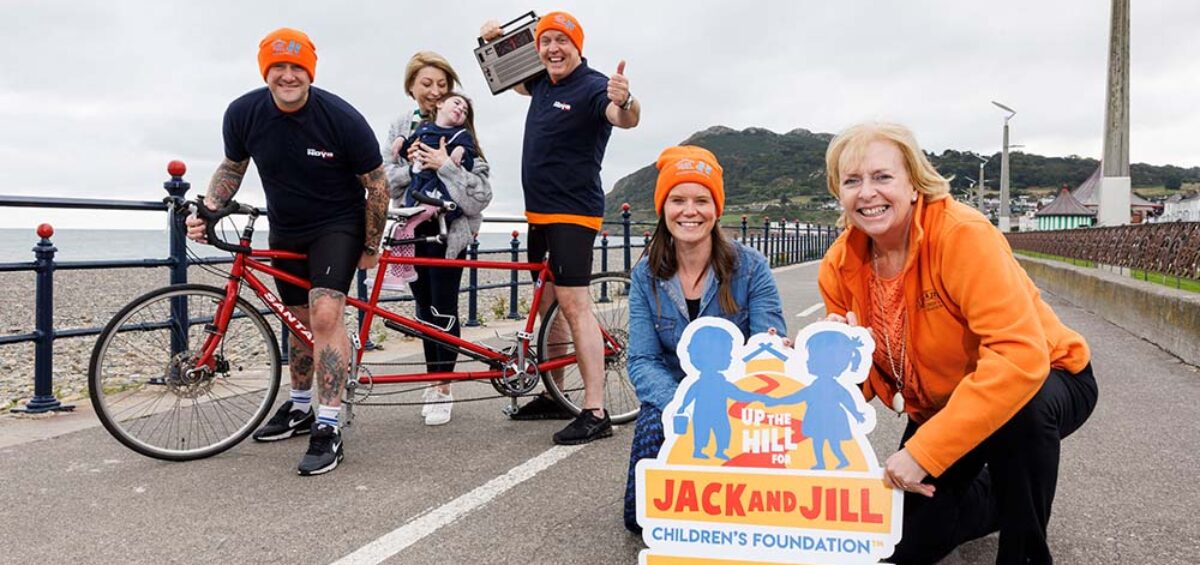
pixel 1071 260
pixel 1190 285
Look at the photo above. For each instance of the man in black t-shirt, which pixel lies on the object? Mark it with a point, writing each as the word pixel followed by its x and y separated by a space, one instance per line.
pixel 316 156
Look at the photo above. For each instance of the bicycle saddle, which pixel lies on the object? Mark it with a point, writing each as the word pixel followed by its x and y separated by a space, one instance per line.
pixel 404 213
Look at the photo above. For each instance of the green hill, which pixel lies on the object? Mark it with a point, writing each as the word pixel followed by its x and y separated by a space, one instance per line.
pixel 783 175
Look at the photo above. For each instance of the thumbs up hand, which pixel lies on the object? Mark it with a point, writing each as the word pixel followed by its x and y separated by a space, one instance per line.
pixel 618 86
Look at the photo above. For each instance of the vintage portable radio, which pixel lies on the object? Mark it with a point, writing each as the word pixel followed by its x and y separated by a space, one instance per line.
pixel 512 58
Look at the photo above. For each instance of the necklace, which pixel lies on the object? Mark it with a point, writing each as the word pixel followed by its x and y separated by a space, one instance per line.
pixel 880 301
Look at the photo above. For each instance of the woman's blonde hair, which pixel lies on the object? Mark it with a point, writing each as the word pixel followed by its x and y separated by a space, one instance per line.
pixel 850 146
pixel 422 59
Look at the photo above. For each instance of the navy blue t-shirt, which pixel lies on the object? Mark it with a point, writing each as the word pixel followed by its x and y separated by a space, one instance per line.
pixel 309 160
pixel 427 179
pixel 566 132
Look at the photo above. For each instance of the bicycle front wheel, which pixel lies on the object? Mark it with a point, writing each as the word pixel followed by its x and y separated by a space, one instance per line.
pixel 610 305
pixel 148 392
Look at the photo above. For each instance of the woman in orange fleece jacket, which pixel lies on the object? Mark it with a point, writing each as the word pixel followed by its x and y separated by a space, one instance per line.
pixel 990 378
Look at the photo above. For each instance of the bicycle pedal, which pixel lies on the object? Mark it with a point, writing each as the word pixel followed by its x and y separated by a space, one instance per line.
pixel 511 408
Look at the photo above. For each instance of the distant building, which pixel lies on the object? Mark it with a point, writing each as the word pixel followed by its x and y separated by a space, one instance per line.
pixel 1065 213
pixel 1179 208
pixel 1088 194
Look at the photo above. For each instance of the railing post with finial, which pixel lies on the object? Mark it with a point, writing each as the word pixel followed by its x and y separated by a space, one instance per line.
pixel 625 231
pixel 766 241
pixel 177 188
pixel 512 294
pixel 43 365
pixel 473 283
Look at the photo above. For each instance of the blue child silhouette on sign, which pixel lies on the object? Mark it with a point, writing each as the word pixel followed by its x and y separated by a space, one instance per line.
pixel 830 353
pixel 711 352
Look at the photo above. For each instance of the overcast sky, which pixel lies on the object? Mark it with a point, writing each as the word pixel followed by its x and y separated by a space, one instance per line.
pixel 96 97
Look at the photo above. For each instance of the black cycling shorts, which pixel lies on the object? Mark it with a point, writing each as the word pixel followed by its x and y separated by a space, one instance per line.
pixel 333 256
pixel 570 249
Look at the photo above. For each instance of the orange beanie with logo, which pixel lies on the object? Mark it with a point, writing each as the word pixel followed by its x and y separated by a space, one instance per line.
pixel 563 22
pixel 689 163
pixel 287 45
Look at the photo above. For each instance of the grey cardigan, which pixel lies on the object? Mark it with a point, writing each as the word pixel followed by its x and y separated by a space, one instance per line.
pixel 471 190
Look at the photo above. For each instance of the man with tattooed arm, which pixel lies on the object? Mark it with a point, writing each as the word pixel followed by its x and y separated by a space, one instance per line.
pixel 316 157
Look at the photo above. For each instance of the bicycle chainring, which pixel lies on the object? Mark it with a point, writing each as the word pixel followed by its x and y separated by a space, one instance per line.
pixel 517 381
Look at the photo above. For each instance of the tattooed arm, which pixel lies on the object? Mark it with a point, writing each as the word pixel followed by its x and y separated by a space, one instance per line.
pixel 375 182
pixel 226 181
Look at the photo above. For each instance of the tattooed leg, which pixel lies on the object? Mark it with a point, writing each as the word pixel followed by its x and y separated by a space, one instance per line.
pixel 300 356
pixel 330 344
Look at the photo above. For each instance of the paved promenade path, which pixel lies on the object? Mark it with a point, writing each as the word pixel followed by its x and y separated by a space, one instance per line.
pixel 484 489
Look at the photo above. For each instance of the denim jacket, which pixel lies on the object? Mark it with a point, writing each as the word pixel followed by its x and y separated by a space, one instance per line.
pixel 655 327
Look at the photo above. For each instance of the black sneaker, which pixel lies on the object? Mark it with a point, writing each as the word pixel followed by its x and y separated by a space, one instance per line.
pixel 585 428
pixel 542 407
pixel 286 423
pixel 324 451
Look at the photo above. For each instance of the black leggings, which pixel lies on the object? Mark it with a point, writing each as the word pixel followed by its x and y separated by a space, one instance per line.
pixel 435 293
pixel 1006 483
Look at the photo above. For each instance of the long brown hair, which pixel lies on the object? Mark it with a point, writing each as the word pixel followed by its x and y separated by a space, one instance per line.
pixel 660 257
pixel 470 121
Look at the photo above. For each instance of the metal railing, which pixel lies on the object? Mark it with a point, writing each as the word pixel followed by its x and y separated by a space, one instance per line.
pixel 1170 249
pixel 782 243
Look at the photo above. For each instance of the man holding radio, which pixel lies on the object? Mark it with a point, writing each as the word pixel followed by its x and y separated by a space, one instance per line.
pixel 572 111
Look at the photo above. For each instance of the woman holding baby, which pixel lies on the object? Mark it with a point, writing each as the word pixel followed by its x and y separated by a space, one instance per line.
pixel 462 175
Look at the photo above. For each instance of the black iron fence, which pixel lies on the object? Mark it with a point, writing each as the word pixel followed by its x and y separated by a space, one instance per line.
pixel 1171 248
pixel 781 242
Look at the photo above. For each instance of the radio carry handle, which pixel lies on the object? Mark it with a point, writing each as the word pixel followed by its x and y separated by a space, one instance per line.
pixel 530 15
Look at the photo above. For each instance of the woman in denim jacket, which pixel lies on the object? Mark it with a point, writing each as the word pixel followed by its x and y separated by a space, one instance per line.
pixel 689 270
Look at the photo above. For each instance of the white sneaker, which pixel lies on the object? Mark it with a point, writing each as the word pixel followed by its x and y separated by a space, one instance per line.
pixel 427 397
pixel 437 408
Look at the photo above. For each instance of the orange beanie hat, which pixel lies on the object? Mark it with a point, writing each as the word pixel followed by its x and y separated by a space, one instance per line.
pixel 689 163
pixel 563 22
pixel 287 45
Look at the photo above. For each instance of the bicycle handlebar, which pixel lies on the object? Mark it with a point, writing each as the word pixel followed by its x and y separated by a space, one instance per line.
pixel 446 205
pixel 211 217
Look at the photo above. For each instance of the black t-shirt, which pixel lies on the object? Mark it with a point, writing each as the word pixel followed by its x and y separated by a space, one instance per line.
pixel 693 305
pixel 309 160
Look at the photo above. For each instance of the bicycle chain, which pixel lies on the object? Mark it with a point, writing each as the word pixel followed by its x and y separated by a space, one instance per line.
pixel 366 366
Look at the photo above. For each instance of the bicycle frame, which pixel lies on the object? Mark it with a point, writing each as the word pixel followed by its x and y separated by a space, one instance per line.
pixel 245 265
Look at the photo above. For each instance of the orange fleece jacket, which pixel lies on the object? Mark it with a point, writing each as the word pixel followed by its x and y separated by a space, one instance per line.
pixel 980 338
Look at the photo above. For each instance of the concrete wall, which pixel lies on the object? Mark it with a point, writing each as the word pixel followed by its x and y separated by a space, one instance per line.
pixel 1164 316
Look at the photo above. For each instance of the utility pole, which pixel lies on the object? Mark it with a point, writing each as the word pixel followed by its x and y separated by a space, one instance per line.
pixel 1115 184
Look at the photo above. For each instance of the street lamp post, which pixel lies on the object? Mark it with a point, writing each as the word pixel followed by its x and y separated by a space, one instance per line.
pixel 979 195
pixel 1005 218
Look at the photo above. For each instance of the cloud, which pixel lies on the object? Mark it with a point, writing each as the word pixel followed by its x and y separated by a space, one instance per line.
pixel 102 94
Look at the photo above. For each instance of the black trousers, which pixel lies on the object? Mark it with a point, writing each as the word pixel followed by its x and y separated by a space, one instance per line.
pixel 1006 483
pixel 435 293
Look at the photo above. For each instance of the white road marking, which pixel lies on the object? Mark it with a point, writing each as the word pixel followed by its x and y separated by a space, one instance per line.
pixel 397 540
pixel 808 311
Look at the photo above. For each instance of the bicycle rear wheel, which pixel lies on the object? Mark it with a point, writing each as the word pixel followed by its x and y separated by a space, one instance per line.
pixel 148 396
pixel 610 304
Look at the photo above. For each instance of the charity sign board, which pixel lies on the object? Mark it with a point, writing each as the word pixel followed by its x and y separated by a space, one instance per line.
pixel 766 457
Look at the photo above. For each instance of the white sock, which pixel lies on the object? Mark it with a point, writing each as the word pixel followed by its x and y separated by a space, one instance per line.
pixel 329 415
pixel 301 400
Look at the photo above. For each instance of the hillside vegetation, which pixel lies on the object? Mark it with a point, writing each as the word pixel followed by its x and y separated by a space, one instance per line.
pixel 783 175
